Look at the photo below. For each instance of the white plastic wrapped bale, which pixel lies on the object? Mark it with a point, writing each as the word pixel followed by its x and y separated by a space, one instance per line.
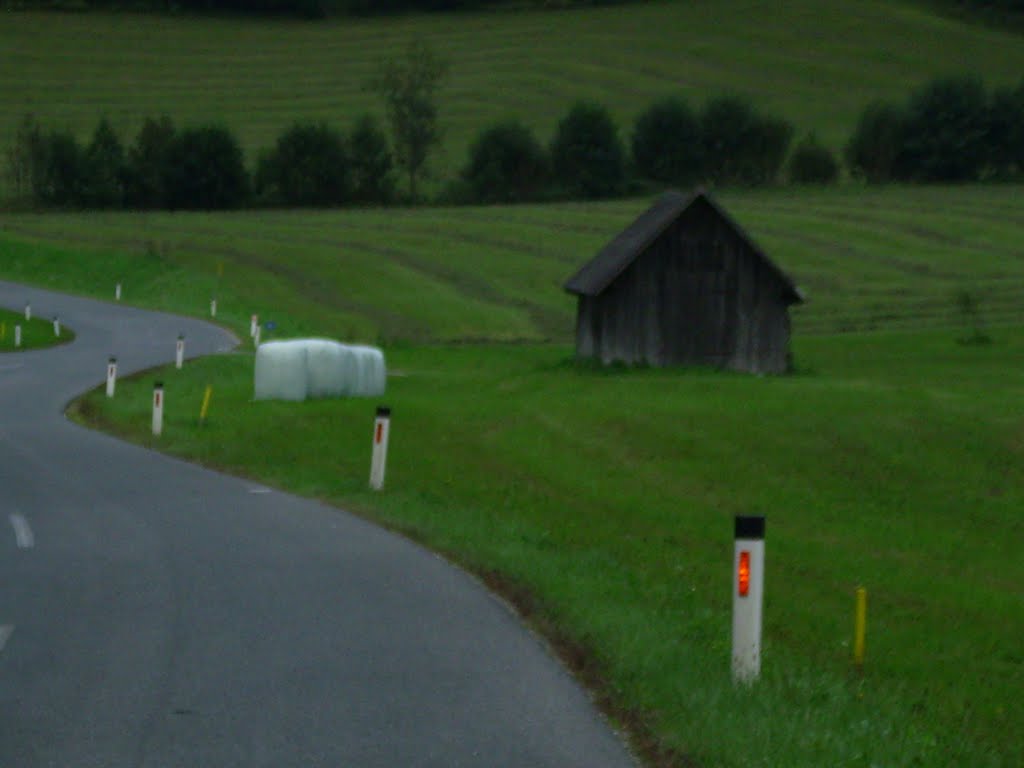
pixel 281 371
pixel 303 368
pixel 369 375
pixel 326 365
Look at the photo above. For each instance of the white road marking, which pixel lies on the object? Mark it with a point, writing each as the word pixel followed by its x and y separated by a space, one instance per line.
pixel 22 532
pixel 259 490
pixel 6 630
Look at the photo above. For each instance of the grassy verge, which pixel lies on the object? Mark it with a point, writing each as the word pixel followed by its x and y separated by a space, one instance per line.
pixel 602 501
pixel 35 333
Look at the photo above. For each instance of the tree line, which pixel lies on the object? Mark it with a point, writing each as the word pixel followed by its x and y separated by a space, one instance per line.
pixel 950 130
pixel 309 9
pixel 953 129
pixel 315 9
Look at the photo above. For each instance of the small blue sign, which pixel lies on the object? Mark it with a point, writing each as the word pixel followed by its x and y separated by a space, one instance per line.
pixel 270 325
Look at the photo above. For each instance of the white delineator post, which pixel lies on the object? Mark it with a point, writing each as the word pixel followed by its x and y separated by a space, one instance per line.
pixel 28 311
pixel 111 376
pixel 213 307
pixel 747 598
pixel 158 408
pixel 117 292
pixel 56 326
pixel 381 427
pixel 254 326
pixel 179 352
pixel 17 336
pixel 256 337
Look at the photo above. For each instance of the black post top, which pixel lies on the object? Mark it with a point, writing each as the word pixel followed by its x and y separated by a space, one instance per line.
pixel 383 410
pixel 158 385
pixel 749 527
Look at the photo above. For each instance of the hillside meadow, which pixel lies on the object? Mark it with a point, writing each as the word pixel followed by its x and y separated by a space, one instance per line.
pixel 816 63
pixel 600 501
pixel 868 258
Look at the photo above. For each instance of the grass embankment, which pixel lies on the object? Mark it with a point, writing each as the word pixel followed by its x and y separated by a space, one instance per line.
pixel 603 502
pixel 867 258
pixel 35 333
pixel 813 62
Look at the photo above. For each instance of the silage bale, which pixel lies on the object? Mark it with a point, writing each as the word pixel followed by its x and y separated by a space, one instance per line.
pixel 301 368
pixel 324 359
pixel 348 364
pixel 370 376
pixel 281 371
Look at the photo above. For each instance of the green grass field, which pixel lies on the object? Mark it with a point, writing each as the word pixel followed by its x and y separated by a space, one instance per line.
pixel 890 258
pixel 815 62
pixel 36 333
pixel 601 501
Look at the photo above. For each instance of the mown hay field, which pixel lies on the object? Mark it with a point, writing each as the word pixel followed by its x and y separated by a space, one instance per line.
pixel 815 62
pixel 868 259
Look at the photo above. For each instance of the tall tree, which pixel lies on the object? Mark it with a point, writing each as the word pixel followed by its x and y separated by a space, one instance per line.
pixel 309 165
pixel 409 88
pixel 104 169
pixel 587 155
pixel 148 164
pixel 26 157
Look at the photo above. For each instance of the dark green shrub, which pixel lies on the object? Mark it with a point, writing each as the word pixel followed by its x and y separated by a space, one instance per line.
pixel 148 165
pixel 874 152
pixel 62 174
pixel 205 170
pixel 945 130
pixel 308 166
pixel 1006 133
pixel 506 165
pixel 812 163
pixel 740 145
pixel 587 155
pixel 26 158
pixel 667 143
pixel 104 169
pixel 373 168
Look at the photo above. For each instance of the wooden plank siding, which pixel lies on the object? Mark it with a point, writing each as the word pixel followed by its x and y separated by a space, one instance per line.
pixel 697 293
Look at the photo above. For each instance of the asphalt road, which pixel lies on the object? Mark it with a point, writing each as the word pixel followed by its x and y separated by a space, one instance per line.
pixel 153 613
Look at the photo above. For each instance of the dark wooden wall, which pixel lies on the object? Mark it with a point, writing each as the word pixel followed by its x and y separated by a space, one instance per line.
pixel 698 295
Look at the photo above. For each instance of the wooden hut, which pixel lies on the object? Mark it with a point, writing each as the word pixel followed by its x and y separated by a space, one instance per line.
pixel 684 285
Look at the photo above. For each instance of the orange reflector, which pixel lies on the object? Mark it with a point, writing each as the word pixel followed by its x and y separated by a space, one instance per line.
pixel 743 574
pixel 380 432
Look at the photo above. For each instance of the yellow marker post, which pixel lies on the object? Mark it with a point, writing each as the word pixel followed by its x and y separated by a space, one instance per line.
pixel 206 404
pixel 860 627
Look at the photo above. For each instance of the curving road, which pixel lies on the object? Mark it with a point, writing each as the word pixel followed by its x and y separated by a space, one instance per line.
pixel 153 613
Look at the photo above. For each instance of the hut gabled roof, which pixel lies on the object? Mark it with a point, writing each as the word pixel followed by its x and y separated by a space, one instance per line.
pixel 612 260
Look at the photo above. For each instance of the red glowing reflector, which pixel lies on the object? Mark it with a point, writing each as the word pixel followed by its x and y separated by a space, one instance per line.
pixel 743 574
